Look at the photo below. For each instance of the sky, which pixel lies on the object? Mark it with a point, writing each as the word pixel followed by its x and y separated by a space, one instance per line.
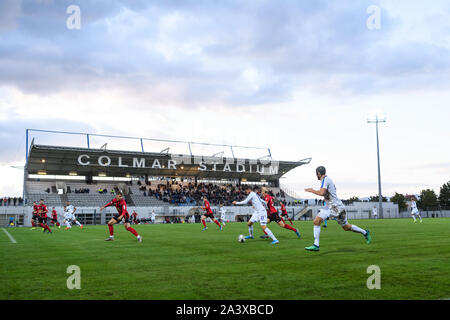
pixel 297 76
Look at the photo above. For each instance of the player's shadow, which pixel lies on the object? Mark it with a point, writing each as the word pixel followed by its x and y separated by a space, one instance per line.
pixel 343 250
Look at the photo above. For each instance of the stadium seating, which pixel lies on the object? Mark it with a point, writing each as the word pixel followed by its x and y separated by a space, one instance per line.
pixel 158 194
pixel 89 200
pixel 147 201
pixel 51 200
pixel 39 187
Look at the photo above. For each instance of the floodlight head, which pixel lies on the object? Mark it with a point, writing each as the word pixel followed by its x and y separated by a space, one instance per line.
pixel 375 116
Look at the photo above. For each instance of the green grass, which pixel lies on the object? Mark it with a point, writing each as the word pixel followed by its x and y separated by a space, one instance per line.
pixel 182 262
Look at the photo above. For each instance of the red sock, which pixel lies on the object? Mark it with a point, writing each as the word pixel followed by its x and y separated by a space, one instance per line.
pixel 204 223
pixel 290 221
pixel 132 231
pixel 265 232
pixel 282 219
pixel 57 224
pixel 286 226
pixel 217 222
pixel 33 224
pixel 111 230
pixel 41 225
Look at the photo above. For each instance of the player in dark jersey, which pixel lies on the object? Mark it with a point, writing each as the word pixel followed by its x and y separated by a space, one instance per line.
pixel 208 214
pixel 272 214
pixel 134 217
pixel 284 214
pixel 42 210
pixel 122 214
pixel 35 217
pixel 54 220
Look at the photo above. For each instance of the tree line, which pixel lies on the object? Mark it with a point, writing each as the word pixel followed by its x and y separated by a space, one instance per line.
pixel 428 199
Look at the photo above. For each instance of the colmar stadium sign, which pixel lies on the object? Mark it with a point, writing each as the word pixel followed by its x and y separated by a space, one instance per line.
pixel 263 167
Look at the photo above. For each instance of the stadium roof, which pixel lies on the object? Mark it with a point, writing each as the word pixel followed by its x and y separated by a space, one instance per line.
pixel 54 160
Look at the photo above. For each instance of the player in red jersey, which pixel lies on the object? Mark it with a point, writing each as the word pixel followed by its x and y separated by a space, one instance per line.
pixel 54 220
pixel 284 213
pixel 208 214
pixel 35 217
pixel 272 214
pixel 42 210
pixel 122 213
pixel 134 217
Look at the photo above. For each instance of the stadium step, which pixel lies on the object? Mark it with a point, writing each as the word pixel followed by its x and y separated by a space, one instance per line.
pixel 64 199
pixel 129 200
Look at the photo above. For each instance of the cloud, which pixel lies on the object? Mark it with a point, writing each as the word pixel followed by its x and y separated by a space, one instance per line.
pixel 287 74
pixel 10 10
pixel 201 52
pixel 12 136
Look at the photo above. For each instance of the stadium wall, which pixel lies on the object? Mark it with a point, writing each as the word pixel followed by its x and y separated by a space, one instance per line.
pixel 23 215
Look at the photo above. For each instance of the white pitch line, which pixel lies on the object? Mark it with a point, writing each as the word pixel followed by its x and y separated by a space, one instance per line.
pixel 10 236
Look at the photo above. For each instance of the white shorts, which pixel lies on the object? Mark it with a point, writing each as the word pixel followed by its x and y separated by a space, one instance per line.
pixel 260 217
pixel 328 214
pixel 415 212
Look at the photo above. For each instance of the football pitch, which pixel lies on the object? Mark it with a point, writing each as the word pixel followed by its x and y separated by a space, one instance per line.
pixel 180 261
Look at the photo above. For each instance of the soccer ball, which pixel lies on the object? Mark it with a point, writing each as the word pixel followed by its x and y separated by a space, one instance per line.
pixel 241 238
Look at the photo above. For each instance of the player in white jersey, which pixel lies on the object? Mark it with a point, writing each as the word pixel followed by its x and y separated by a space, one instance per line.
pixel 153 216
pixel 334 209
pixel 260 214
pixel 222 211
pixel 69 216
pixel 375 212
pixel 414 211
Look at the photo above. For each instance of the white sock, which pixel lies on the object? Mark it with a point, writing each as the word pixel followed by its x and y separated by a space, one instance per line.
pixel 250 231
pixel 359 230
pixel 79 224
pixel 270 234
pixel 420 217
pixel 68 225
pixel 414 218
pixel 316 235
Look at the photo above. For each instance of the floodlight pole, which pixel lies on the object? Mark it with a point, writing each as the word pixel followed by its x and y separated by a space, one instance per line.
pixel 380 196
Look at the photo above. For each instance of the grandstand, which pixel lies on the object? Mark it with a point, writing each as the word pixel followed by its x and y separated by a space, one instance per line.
pixel 170 183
